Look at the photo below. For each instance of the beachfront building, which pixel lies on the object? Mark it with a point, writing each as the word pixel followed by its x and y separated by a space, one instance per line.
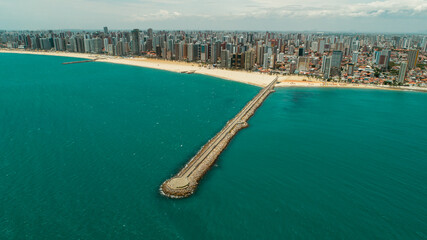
pixel 355 57
pixel 313 54
pixel 249 59
pixel 135 42
pixel 326 67
pixel 402 72
pixel 335 64
pixel 350 69
pixel 303 64
pixel 412 58
pixel 225 62
pixel 336 59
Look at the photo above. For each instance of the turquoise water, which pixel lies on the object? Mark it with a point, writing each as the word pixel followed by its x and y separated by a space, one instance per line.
pixel 85 147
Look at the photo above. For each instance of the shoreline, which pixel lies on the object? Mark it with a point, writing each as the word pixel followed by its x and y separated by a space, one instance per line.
pixel 256 79
pixel 251 78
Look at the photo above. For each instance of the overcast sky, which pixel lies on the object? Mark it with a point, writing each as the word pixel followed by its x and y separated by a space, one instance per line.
pixel 264 15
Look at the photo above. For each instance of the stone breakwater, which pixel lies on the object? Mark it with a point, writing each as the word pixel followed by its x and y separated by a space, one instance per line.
pixel 185 182
pixel 83 61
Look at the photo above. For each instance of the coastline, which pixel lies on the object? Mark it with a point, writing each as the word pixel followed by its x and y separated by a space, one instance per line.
pixel 252 78
pixel 256 79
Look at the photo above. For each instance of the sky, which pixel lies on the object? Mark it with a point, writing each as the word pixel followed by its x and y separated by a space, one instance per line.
pixel 387 16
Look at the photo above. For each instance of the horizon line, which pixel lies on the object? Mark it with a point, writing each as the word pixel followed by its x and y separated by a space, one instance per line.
pixel 210 30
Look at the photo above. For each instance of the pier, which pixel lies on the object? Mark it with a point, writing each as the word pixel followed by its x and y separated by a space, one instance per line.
pixel 83 61
pixel 184 183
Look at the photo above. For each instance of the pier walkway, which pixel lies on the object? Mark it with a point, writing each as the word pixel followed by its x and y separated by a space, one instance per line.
pixel 185 182
pixel 83 61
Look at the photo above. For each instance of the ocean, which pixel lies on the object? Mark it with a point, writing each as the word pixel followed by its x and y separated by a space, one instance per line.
pixel 85 147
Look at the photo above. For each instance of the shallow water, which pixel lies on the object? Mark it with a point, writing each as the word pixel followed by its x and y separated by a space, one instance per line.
pixel 85 147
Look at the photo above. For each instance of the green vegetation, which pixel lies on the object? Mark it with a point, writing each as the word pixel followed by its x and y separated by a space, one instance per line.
pixel 422 66
pixel 394 72
pixel 377 72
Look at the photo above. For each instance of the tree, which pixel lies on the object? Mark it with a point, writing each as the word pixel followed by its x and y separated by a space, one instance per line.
pixel 394 72
pixel 377 74
pixel 422 66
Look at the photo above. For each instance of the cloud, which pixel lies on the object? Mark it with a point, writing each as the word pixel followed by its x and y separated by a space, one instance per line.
pixel 390 7
pixel 161 15
pixel 215 14
pixel 292 9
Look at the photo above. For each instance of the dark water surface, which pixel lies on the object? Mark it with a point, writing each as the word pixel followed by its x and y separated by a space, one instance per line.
pixel 85 147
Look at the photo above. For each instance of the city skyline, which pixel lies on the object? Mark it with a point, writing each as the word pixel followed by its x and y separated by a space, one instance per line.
pixel 390 16
pixel 352 58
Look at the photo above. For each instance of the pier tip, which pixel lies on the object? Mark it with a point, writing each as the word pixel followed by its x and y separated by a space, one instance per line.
pixel 177 187
pixel 178 183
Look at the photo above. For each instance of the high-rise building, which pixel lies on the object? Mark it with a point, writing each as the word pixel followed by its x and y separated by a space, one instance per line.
pixel 204 52
pixel 249 59
pixel 350 69
pixel 314 46
pixel 80 45
pixel 301 52
pixel 185 50
pixel 190 50
pixel 412 58
pixel 149 45
pixel 158 51
pixel 238 60
pixel 215 52
pixel 87 45
pixel 303 64
pixel 291 50
pixel 150 33
pixel 225 62
pixel 387 54
pixel 56 44
pixel 260 54
pixel 106 42
pixel 135 42
pixel 424 44
pixel 292 67
pixel 376 57
pixel 176 51
pixel 336 59
pixel 120 48
pixel 272 61
pixel 322 46
pixel 106 30
pixel 214 56
pixel 355 58
pixel 97 45
pixel 111 49
pixel 323 64
pixel 181 51
pixel 326 66
pixel 45 44
pixel 266 60
pixel 402 72
pixel 196 52
pixel 281 57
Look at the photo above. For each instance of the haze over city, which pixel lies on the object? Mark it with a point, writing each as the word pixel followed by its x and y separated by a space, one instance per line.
pixel 391 16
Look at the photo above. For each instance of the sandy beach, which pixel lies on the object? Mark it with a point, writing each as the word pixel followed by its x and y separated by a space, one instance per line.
pixel 252 78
